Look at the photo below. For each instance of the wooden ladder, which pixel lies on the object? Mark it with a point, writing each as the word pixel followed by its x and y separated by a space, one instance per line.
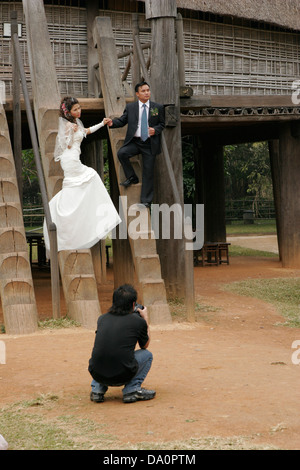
pixel 16 285
pixel 76 266
pixel 146 261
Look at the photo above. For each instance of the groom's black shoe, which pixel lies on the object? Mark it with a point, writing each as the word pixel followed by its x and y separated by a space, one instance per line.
pixel 142 205
pixel 130 181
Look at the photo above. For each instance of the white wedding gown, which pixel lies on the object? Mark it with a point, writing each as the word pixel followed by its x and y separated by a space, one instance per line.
pixel 82 211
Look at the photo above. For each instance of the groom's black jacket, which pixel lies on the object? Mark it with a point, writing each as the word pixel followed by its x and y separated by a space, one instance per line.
pixel 156 120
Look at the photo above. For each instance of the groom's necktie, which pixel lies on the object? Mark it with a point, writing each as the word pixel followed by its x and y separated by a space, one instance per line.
pixel 144 124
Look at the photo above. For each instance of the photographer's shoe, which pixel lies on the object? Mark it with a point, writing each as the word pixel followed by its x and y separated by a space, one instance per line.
pixel 138 395
pixel 97 397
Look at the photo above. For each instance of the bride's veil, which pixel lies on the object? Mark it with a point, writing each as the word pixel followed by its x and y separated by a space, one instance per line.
pixel 64 138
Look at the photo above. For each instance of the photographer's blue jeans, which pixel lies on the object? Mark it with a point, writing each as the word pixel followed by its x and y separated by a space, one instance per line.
pixel 144 359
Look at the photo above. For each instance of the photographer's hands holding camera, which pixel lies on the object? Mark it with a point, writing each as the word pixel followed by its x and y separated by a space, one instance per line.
pixel 143 312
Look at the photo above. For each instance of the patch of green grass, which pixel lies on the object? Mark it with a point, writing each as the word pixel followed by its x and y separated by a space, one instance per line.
pixel 26 426
pixel 235 250
pixel 283 293
pixel 208 443
pixel 52 323
pixel 260 227
pixel 30 425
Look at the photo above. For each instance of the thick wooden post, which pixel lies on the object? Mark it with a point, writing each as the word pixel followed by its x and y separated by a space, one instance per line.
pixel 180 49
pixel 289 151
pixel 123 266
pixel 276 177
pixel 165 88
pixel 214 192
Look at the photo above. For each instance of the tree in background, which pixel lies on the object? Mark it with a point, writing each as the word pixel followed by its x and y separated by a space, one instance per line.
pixel 31 188
pixel 247 171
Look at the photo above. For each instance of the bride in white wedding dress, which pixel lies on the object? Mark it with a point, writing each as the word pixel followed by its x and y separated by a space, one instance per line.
pixel 82 211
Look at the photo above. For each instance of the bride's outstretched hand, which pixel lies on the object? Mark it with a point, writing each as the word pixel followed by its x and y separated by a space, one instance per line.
pixel 107 121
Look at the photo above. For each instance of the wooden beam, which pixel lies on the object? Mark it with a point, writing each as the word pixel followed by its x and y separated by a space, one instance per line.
pixel 197 102
pixel 17 123
pixel 232 101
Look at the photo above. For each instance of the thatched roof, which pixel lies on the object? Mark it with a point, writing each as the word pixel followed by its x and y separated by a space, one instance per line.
pixel 285 13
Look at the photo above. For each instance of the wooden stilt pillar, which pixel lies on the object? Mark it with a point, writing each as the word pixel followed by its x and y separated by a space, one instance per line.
pixel 276 176
pixel 289 151
pixel 123 265
pixel 214 192
pixel 198 165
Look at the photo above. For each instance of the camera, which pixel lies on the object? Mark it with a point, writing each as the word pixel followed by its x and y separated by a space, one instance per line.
pixel 136 308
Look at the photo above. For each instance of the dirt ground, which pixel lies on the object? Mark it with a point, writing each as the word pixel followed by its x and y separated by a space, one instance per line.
pixel 230 374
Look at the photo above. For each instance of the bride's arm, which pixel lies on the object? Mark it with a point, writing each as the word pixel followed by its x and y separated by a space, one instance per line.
pixel 69 133
pixel 93 129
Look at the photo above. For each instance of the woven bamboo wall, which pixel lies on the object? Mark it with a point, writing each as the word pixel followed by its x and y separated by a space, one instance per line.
pixel 68 35
pixel 230 59
pixel 220 58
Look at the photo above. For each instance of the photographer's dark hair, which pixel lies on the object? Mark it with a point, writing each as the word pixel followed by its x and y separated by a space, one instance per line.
pixel 66 105
pixel 138 85
pixel 123 299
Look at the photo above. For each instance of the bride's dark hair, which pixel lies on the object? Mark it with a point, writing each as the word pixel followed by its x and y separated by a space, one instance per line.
pixel 66 105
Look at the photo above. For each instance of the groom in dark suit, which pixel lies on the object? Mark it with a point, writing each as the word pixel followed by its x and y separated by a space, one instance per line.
pixel 146 121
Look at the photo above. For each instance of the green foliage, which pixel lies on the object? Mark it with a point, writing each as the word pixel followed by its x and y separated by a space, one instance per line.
pixel 31 187
pixel 106 166
pixel 188 170
pixel 247 171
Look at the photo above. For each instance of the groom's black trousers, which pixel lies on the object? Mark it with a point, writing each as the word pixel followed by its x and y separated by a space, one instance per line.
pixel 135 147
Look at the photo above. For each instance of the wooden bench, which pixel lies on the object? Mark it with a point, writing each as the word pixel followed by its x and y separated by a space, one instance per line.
pixel 37 239
pixel 223 250
pixel 213 254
